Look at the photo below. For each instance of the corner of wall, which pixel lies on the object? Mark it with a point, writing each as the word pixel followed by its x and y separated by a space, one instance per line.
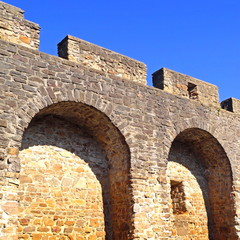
pixel 14 28
pixel 231 104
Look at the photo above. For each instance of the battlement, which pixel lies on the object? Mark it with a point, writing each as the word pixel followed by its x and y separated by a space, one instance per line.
pixel 87 151
pixel 186 86
pixel 231 104
pixel 102 59
pixel 14 28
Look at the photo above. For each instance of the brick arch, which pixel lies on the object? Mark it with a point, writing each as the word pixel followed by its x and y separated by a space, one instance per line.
pixel 200 123
pixel 212 127
pixel 199 168
pixel 47 97
pixel 115 148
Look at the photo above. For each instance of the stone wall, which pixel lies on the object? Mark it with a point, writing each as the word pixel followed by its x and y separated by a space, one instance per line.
pixel 190 221
pixel 50 107
pixel 14 28
pixel 104 60
pixel 186 86
pixel 231 104
pixel 64 183
pixel 193 162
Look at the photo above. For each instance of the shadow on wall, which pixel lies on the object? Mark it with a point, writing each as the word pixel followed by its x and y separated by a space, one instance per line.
pixel 200 164
pixel 74 173
pixel 189 193
pixel 72 183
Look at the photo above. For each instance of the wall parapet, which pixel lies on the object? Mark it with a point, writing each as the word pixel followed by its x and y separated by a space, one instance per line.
pixel 186 86
pixel 103 155
pixel 102 59
pixel 14 28
pixel 231 104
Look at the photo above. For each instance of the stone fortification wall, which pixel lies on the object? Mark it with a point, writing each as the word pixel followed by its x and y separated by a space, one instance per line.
pixel 231 104
pixel 74 168
pixel 104 60
pixel 186 86
pixel 14 28
pixel 85 154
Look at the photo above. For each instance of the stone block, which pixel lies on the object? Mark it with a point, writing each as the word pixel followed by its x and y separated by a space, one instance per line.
pixel 10 208
pixel 13 151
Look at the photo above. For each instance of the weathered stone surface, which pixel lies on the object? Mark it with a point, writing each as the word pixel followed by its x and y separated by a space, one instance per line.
pixel 75 174
pixel 186 86
pixel 104 60
pixel 99 153
pixel 15 29
pixel 10 208
pixel 231 104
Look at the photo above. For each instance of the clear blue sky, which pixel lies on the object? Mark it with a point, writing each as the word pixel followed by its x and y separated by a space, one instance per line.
pixel 197 38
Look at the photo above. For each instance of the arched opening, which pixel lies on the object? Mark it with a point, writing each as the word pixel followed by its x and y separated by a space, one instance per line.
pixel 200 187
pixel 74 176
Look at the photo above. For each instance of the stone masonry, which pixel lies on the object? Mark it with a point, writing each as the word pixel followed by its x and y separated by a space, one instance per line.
pixel 14 28
pixel 89 152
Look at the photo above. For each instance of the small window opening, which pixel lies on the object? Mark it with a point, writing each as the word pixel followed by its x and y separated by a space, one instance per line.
pixel 178 197
pixel 192 91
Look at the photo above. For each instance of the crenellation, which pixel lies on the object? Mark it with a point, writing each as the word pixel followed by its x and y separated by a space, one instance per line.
pixel 231 104
pixel 89 154
pixel 7 10
pixel 14 28
pixel 186 86
pixel 102 59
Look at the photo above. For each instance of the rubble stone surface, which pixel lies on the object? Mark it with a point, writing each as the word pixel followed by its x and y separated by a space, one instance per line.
pixel 89 152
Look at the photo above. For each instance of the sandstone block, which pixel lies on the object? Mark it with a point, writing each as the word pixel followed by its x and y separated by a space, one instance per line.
pixel 10 208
